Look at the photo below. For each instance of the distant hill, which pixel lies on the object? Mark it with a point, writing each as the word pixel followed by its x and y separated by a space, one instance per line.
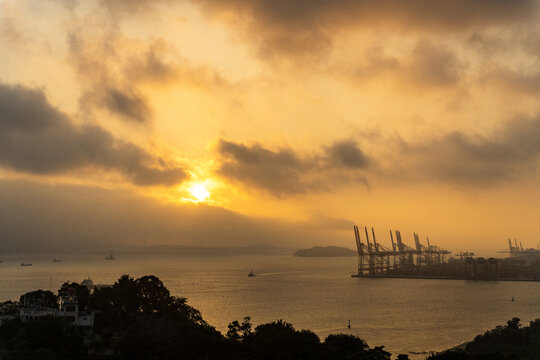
pixel 325 251
pixel 263 249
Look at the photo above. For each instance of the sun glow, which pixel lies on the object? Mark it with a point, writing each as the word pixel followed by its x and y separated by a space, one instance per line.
pixel 199 192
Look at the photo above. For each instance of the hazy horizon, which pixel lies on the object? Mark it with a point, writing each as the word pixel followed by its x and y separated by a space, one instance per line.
pixel 228 123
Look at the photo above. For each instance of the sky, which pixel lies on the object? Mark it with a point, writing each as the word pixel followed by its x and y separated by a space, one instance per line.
pixel 228 122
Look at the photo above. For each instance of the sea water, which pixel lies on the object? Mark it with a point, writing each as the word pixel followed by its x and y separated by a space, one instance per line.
pixel 405 315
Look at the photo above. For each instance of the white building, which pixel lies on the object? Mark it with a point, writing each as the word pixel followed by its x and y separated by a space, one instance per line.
pixel 68 308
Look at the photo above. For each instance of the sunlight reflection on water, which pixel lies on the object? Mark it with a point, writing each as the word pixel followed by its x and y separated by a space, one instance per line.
pixel 312 293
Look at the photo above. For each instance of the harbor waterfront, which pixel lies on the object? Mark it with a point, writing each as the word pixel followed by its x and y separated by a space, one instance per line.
pixel 405 315
pixel 432 262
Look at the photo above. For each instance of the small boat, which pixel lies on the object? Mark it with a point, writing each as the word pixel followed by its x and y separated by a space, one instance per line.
pixel 26 264
pixel 56 260
pixel 110 256
pixel 251 274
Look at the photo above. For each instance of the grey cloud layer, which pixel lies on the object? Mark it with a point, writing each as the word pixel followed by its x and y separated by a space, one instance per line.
pixel 457 159
pixel 511 152
pixel 129 105
pixel 283 171
pixel 93 59
pixel 304 31
pixel 520 81
pixel 277 171
pixel 298 13
pixel 307 25
pixel 113 73
pixel 348 154
pixel 425 66
pixel 37 138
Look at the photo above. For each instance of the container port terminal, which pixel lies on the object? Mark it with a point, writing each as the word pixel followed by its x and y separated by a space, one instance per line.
pixel 428 261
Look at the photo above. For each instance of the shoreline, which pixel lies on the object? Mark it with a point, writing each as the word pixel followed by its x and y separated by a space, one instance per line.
pixel 435 277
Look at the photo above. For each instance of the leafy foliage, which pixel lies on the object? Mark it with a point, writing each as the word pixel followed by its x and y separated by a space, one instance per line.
pixel 81 291
pixel 8 307
pixel 342 346
pixel 279 340
pixel 48 337
pixel 139 319
pixel 39 298
pixel 510 341
pixel 239 332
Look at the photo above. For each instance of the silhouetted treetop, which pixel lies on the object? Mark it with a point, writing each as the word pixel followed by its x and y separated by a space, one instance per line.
pixel 137 318
pixel 39 298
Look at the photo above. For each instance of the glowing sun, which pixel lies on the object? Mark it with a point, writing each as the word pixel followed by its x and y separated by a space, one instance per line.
pixel 199 192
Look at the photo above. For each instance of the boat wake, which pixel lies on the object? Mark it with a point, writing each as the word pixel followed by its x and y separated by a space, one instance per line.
pixel 273 273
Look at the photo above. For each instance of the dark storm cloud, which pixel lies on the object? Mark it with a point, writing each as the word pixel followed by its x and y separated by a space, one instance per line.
pixel 279 172
pixel 36 137
pixel 128 105
pixel 282 171
pixel 34 215
pixel 507 154
pixel 348 154
pixel 297 26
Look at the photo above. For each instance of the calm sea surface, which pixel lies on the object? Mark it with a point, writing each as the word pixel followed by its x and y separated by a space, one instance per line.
pixel 312 293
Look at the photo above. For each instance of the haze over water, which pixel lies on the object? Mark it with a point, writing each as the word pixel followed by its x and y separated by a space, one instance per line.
pixel 236 123
pixel 312 293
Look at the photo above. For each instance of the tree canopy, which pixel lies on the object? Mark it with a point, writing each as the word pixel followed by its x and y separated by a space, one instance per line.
pixel 138 318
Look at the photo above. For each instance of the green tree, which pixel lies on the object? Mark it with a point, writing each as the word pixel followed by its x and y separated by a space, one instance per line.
pixel 279 340
pixel 152 295
pixel 343 346
pixel 47 337
pixel 376 353
pixel 9 307
pixel 81 291
pixel 451 355
pixel 179 308
pixel 237 331
pixel 39 298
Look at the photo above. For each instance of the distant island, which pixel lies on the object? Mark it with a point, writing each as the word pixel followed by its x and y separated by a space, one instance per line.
pixel 325 251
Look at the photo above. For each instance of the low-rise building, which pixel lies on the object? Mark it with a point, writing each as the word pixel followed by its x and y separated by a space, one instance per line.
pixel 68 308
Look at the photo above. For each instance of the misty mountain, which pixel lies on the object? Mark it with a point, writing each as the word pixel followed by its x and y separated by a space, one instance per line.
pixel 38 216
pixel 262 249
pixel 325 251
